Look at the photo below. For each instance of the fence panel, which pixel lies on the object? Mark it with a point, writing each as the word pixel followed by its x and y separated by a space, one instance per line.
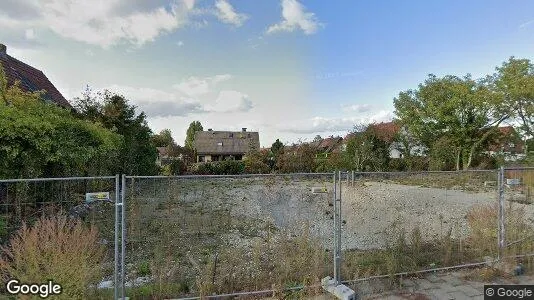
pixel 26 200
pixel 412 221
pixel 518 187
pixel 206 235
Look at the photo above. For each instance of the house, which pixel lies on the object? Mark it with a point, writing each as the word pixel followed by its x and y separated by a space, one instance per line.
pixel 30 79
pixel 165 156
pixel 224 145
pixel 325 147
pixel 508 143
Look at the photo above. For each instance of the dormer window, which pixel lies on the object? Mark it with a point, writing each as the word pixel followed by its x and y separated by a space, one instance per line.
pixel 219 144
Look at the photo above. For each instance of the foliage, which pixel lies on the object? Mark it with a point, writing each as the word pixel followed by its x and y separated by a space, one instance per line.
pixel 463 110
pixel 175 167
pixel 227 167
pixel 47 251
pixel 137 154
pixel 515 81
pixel 39 139
pixel 298 158
pixel 163 139
pixel 366 151
pixel 190 134
pixel 257 162
pixel 441 156
pixel 334 161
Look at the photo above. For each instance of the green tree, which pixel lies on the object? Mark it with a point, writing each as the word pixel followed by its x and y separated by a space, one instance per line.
pixel 301 158
pixel 515 81
pixel 163 139
pixel 277 148
pixel 366 151
pixel 39 139
pixel 190 134
pixel 138 154
pixel 465 111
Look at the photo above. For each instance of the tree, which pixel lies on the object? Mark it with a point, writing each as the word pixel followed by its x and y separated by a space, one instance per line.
pixel 465 111
pixel 515 81
pixel 138 154
pixel 163 139
pixel 39 139
pixel 366 151
pixel 300 159
pixel 190 134
pixel 277 148
pixel 256 162
pixel 317 138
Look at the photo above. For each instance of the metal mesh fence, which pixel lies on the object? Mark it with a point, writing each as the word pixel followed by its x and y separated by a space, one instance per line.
pixel 202 235
pixel 406 222
pixel 518 221
pixel 26 200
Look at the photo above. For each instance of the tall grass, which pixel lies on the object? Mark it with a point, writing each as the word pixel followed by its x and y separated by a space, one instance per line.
pixel 56 248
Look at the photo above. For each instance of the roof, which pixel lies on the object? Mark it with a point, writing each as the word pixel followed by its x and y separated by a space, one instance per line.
pixel 386 131
pixel 233 142
pixel 507 135
pixel 329 144
pixel 31 79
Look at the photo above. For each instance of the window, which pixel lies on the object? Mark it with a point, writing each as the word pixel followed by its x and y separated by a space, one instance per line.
pixel 231 135
pixel 219 144
pixel 511 145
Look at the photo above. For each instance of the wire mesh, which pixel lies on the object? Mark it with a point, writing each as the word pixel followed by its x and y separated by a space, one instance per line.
pixel 23 201
pixel 395 222
pixel 195 236
pixel 518 189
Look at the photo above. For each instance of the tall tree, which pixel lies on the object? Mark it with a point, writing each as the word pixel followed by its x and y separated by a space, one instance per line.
pixel 277 147
pixel 163 139
pixel 465 111
pixel 515 80
pixel 366 151
pixel 138 154
pixel 190 134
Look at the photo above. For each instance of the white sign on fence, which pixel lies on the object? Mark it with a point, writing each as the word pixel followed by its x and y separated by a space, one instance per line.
pixel 100 196
pixel 513 181
pixel 319 190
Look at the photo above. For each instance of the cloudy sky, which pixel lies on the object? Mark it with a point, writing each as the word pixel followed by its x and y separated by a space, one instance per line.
pixel 288 68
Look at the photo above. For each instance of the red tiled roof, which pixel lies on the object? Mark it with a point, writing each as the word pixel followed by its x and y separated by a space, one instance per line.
pixel 506 137
pixel 386 131
pixel 31 79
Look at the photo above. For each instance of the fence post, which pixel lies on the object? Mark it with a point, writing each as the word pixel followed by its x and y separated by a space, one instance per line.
pixel 116 272
pixel 123 235
pixel 352 178
pixel 501 214
pixel 337 262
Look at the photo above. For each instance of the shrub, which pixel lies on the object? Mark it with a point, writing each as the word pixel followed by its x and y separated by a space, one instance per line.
pixel 57 249
pixel 228 167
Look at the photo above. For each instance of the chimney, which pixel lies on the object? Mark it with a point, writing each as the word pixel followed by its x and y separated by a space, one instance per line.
pixel 244 129
pixel 210 129
pixel 3 49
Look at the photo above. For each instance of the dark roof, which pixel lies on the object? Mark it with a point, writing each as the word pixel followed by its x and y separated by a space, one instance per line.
pixel 31 79
pixel 233 142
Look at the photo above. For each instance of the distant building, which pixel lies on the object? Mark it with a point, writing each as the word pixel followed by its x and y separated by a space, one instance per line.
pixel 509 144
pixel 224 145
pixel 31 79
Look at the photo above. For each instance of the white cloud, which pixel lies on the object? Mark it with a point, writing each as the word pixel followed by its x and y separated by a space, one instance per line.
pixel 358 108
pixel 99 23
pixel 158 103
pixel 231 101
pixel 194 86
pixel 29 34
pixel 180 43
pixel 294 16
pixel 319 125
pixel 227 14
pixel 526 24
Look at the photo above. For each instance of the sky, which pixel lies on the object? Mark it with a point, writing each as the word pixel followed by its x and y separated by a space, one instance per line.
pixel 290 69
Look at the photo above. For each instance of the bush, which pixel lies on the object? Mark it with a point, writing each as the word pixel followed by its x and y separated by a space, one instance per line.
pixel 397 164
pixel 57 249
pixel 228 167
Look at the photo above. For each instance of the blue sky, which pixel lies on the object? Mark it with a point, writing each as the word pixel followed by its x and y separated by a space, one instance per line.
pixel 288 68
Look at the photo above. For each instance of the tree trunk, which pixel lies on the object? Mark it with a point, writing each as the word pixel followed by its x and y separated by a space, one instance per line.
pixel 480 141
pixel 458 153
